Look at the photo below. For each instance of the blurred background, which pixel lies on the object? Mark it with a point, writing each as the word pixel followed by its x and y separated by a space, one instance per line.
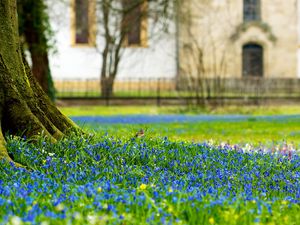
pixel 159 64
pixel 164 52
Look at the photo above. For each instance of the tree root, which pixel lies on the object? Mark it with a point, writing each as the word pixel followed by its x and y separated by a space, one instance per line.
pixel 28 116
pixel 45 105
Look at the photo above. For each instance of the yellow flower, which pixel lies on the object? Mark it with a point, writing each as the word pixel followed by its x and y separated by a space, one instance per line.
pixel 170 190
pixel 211 220
pixel 143 186
pixel 99 189
pixel 170 209
pixel 284 202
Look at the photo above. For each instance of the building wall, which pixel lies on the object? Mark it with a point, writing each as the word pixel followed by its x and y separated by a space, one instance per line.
pixel 298 30
pixel 212 34
pixel 158 59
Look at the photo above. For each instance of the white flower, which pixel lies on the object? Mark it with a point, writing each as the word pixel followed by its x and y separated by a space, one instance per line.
pixel 77 216
pixel 247 148
pixel 15 220
pixel 92 219
pixel 45 223
pixel 60 207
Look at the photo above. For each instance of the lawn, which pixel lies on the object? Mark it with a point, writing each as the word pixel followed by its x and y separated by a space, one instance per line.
pixel 254 130
pixel 129 110
pixel 161 178
pixel 241 132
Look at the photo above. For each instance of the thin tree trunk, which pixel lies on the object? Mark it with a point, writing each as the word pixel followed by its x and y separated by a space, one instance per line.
pixel 40 68
pixel 107 84
pixel 34 30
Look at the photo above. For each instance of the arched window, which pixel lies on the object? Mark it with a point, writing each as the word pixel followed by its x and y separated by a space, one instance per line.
pixel 251 10
pixel 252 60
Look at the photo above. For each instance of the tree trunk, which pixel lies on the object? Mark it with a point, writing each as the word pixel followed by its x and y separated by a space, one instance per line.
pixel 107 86
pixel 34 28
pixel 24 107
pixel 40 68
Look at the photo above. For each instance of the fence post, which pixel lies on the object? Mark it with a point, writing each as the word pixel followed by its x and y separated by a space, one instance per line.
pixel 139 87
pixel 86 87
pixel 63 88
pixel 158 92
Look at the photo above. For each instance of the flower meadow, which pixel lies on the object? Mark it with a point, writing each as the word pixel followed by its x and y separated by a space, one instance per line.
pixel 238 129
pixel 180 118
pixel 105 180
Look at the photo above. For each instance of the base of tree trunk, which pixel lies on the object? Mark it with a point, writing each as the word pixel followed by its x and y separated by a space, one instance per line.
pixel 107 85
pixel 25 110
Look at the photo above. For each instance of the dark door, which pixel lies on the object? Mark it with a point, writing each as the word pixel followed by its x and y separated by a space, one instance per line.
pixel 252 60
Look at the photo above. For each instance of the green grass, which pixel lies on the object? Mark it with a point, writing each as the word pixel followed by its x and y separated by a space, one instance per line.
pixel 240 132
pixel 251 131
pixel 123 110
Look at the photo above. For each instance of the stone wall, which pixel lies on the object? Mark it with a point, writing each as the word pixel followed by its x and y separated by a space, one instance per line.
pixel 212 34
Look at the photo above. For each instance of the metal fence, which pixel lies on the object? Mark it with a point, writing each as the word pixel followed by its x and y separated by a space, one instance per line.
pixel 130 87
pixel 184 88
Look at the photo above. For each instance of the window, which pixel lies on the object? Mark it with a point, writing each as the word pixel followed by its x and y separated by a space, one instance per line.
pixel 252 60
pixel 83 22
pixel 251 10
pixel 134 22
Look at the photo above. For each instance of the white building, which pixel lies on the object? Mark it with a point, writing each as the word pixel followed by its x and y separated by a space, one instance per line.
pixel 155 58
pixel 78 58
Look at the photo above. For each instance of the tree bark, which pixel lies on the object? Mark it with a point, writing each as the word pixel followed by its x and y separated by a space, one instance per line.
pixel 24 107
pixel 107 85
pixel 34 27
pixel 40 67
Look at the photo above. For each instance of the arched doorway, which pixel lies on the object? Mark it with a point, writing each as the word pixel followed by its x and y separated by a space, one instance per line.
pixel 253 60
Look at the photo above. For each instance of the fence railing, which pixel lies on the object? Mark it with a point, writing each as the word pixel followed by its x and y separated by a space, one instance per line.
pixel 130 87
pixel 184 87
pixel 181 91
